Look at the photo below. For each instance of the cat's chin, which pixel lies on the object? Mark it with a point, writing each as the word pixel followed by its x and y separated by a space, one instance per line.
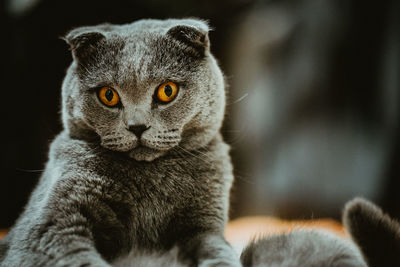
pixel 142 153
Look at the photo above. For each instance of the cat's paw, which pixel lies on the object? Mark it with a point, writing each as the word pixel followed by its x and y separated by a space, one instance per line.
pixel 85 259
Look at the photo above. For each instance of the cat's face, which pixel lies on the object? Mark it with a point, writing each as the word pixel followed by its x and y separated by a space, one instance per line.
pixel 144 88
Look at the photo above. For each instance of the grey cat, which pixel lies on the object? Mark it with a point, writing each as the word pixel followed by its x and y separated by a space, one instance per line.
pixel 306 248
pixel 140 166
pixel 376 243
pixel 140 175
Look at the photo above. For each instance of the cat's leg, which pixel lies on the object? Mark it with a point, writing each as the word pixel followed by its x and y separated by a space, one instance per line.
pixel 88 258
pixel 210 249
pixel 52 248
pixel 74 227
pixel 4 246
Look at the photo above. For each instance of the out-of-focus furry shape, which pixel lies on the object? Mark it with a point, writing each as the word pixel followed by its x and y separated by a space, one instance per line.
pixel 377 235
pixel 302 248
pixel 376 243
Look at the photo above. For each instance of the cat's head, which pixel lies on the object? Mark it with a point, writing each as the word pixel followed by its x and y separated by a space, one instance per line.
pixel 144 88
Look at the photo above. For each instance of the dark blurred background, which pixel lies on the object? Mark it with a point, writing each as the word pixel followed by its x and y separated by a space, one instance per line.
pixel 313 106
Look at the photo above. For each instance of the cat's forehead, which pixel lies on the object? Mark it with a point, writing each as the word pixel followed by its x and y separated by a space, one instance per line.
pixel 140 58
pixel 159 26
pixel 142 54
pixel 151 58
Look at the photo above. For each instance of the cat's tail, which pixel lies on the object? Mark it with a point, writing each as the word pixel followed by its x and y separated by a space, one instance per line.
pixel 377 235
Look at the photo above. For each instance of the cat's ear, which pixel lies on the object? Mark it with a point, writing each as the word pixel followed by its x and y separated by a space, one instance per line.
pixel 83 42
pixel 195 37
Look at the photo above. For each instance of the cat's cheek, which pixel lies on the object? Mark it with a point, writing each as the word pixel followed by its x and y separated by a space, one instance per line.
pixel 96 114
pixel 180 111
pixel 115 144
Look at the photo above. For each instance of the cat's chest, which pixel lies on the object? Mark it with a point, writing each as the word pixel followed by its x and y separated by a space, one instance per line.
pixel 147 204
pixel 158 194
pixel 161 184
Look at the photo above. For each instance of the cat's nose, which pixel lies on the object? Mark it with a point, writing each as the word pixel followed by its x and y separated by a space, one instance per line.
pixel 138 129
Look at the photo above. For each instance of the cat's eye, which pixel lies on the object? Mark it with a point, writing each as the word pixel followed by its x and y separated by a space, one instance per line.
pixel 166 92
pixel 108 96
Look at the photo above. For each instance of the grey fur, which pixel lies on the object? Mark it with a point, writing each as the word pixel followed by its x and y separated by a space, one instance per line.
pixel 101 197
pixel 141 259
pixel 302 248
pixel 376 233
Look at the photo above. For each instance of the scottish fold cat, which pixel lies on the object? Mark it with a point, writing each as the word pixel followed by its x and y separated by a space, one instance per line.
pixel 140 166
pixel 140 175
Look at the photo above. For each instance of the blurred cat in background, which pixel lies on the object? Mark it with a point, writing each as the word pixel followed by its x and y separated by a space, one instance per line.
pixel 375 242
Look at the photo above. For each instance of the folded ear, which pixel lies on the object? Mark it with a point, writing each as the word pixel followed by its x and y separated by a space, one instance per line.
pixel 194 37
pixel 83 42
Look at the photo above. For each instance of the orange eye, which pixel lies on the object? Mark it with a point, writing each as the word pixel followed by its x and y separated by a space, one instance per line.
pixel 108 96
pixel 166 92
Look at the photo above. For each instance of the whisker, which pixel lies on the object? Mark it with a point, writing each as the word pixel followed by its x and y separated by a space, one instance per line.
pixel 180 154
pixel 204 154
pixel 26 170
pixel 239 99
pixel 193 155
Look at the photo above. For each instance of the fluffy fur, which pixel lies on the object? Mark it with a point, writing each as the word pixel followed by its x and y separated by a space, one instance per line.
pixel 302 248
pixel 377 235
pixel 109 197
pixel 107 194
pixel 166 259
pixel 376 243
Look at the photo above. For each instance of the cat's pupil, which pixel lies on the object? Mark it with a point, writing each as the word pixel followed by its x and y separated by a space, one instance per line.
pixel 168 90
pixel 109 95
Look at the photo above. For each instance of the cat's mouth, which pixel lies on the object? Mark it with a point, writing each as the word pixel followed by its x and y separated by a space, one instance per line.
pixel 144 153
